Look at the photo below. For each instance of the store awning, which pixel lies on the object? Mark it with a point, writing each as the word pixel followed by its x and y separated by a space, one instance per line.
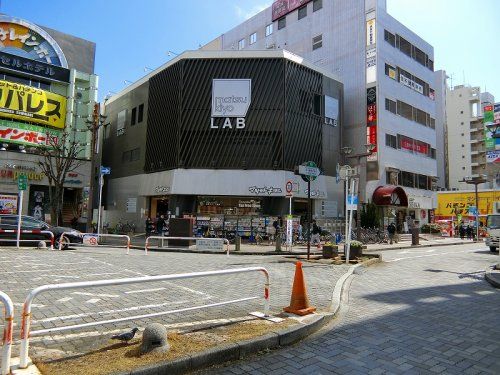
pixel 390 195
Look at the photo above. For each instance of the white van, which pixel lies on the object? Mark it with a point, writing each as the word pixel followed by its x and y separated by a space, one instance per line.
pixel 493 232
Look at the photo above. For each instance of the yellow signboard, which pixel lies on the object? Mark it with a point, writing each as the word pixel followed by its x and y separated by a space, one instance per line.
pixel 458 203
pixel 32 104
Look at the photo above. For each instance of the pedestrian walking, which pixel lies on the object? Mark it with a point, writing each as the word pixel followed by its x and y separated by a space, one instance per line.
pixel 391 230
pixel 462 230
pixel 469 232
pixel 149 226
pixel 316 233
pixel 160 225
pixel 299 231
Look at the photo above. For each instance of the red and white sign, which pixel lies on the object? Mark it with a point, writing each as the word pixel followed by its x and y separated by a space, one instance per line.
pixel 90 240
pixel 283 7
pixel 8 204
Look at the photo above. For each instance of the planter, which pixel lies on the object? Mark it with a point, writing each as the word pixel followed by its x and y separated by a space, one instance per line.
pixel 355 252
pixel 330 252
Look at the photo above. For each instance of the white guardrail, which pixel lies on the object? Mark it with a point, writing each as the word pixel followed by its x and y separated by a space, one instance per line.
pixel 203 241
pixel 95 242
pixel 26 315
pixel 34 231
pixel 7 332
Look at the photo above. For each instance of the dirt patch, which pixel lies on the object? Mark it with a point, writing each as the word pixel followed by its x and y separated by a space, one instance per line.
pixel 120 357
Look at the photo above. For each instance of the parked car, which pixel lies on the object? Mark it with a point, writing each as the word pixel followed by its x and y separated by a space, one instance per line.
pixel 28 223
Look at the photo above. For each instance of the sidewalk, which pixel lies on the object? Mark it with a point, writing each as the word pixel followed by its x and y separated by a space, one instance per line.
pixel 269 249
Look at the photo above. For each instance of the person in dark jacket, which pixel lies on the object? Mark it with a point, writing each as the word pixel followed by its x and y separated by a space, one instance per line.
pixel 160 225
pixel 316 233
pixel 149 226
pixel 391 230
pixel 469 232
pixel 461 230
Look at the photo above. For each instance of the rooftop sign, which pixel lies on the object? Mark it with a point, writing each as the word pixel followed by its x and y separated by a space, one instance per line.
pixel 283 7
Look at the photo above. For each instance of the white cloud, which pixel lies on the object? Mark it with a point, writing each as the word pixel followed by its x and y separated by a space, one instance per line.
pixel 245 14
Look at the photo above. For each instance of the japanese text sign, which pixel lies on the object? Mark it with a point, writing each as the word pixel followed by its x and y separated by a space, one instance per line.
pixel 24 134
pixel 32 104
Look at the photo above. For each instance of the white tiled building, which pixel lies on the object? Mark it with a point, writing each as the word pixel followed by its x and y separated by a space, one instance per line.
pixel 388 76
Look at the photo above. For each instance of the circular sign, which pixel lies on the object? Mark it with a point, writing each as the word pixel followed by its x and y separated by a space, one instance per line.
pixel 289 187
pixel 93 241
pixel 309 178
pixel 25 39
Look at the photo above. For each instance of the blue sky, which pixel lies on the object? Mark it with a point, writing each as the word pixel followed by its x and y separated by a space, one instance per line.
pixel 132 35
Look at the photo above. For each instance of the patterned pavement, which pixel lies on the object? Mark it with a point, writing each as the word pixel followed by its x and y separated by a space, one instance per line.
pixel 22 270
pixel 422 311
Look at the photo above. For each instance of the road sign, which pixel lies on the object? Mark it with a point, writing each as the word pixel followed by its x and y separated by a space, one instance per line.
pixel 352 202
pixel 289 187
pixel 473 210
pixel 105 170
pixel 309 171
pixel 22 182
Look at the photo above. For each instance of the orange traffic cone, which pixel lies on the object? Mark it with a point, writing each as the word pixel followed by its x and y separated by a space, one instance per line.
pixel 299 303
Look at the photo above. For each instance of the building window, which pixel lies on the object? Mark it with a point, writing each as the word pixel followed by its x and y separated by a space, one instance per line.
pixel 317 5
pixel 422 182
pixel 317 42
pixel 390 71
pixel 433 153
pixel 133 116
pixel 405 110
pixel 241 44
pixel 390 105
pixel 317 104
pixel 141 114
pixel 253 38
pixel 120 122
pixel 269 29
pixel 390 38
pixel 126 156
pixel 391 141
pixel 131 155
pixel 135 154
pixel 430 64
pixel 404 46
pixel 282 23
pixel 302 12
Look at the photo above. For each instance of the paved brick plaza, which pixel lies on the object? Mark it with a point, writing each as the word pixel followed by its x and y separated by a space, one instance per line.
pixel 23 270
pixel 424 311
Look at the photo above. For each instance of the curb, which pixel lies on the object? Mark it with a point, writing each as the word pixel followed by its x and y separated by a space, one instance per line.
pixel 245 348
pixel 421 246
pixel 493 277
pixel 270 253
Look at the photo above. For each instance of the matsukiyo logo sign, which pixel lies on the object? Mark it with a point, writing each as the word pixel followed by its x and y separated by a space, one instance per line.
pixel 230 99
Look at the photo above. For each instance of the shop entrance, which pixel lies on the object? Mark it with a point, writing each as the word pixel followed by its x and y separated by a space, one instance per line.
pixel 159 206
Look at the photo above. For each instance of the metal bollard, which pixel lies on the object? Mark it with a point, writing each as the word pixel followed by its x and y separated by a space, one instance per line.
pixel 237 243
pixel 278 242
pixel 415 240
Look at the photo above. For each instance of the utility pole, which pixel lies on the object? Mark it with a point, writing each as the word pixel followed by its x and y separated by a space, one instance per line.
pixel 93 126
pixel 475 181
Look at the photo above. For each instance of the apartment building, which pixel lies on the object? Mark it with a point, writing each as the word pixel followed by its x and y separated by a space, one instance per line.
pixel 390 99
pixel 465 138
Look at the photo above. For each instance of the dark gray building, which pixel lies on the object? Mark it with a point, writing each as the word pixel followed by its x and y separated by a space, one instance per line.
pixel 217 135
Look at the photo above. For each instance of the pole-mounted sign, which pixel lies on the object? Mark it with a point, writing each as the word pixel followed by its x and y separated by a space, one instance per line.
pixel 309 171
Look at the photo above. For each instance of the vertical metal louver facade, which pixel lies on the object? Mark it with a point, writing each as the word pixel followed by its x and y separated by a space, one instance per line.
pixel 283 126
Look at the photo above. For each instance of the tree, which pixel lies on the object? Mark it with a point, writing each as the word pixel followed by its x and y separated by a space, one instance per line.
pixel 58 158
pixel 370 217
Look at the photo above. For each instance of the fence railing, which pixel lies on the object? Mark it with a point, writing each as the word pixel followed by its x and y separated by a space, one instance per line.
pixel 222 241
pixel 26 314
pixel 7 333
pixel 94 235
pixel 34 231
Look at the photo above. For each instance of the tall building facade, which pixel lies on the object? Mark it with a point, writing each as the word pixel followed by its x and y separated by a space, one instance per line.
pixel 466 135
pixel 216 136
pixel 388 76
pixel 48 88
